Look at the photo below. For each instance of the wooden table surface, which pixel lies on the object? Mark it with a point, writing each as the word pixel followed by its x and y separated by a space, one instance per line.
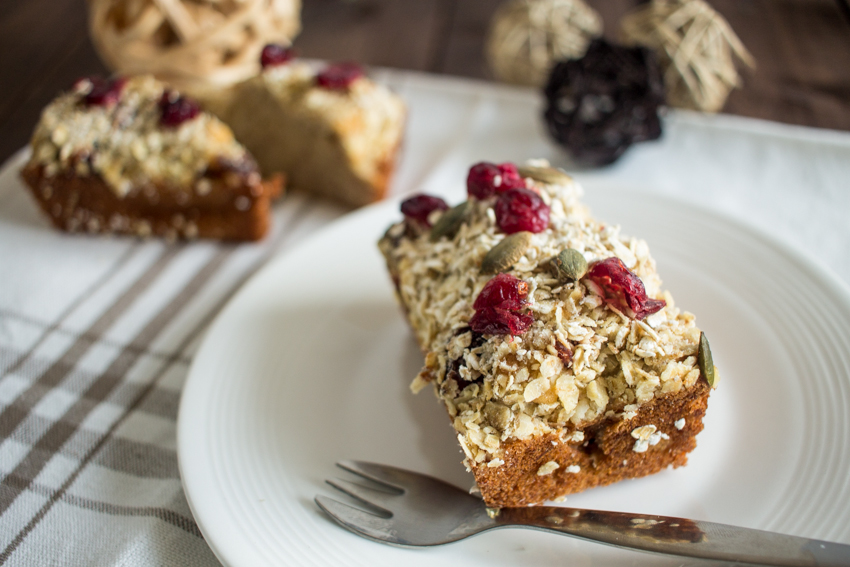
pixel 802 48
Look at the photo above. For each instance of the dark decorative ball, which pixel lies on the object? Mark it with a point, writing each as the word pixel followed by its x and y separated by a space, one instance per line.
pixel 601 104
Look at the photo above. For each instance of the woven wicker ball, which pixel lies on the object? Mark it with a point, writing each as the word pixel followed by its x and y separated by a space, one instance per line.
pixel 192 44
pixel 528 36
pixel 696 48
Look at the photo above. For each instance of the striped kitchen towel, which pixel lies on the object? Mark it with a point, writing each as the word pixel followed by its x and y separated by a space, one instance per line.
pixel 96 336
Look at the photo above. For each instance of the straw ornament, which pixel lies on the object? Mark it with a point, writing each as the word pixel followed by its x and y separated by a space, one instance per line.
pixel 191 44
pixel 528 36
pixel 696 48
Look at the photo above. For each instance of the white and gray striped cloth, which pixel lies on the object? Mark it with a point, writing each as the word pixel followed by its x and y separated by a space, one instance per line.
pixel 97 334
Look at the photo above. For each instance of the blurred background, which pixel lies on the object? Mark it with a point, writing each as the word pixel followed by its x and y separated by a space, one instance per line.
pixel 802 49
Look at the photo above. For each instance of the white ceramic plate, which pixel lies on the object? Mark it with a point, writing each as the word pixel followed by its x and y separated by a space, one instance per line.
pixel 310 364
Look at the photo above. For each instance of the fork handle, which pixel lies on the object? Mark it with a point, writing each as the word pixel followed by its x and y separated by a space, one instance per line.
pixel 678 536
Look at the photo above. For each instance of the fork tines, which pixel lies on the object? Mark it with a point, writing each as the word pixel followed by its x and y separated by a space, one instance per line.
pixel 374 522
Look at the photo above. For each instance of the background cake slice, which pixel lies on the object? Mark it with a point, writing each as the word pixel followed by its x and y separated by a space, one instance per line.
pixel 132 156
pixel 560 361
pixel 333 133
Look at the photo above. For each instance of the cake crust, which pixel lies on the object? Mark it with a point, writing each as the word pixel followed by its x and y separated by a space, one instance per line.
pixel 605 456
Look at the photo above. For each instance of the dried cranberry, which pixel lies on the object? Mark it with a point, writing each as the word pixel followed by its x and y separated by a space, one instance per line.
pixel 419 207
pixel 485 179
pixel 521 209
pixel 504 291
pixel 565 353
pixel 102 92
pixel 480 182
pixel 511 179
pixel 275 54
pixel 176 109
pixel 497 307
pixel 500 322
pixel 339 76
pixel 620 287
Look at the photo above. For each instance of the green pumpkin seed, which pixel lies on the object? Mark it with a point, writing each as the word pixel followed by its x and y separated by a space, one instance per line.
pixel 449 223
pixel 498 415
pixel 569 265
pixel 705 362
pixel 506 253
pixel 549 175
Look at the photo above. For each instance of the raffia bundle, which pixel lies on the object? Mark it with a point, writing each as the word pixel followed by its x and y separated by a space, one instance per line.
pixel 696 48
pixel 194 45
pixel 527 37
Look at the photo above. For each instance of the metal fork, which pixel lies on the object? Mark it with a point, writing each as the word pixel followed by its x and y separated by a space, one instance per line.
pixel 412 509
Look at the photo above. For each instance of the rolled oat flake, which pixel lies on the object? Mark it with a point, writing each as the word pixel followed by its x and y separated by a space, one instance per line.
pixel 506 253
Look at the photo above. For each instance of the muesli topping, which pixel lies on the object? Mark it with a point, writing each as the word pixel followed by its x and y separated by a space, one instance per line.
pixel 579 360
pixel 122 139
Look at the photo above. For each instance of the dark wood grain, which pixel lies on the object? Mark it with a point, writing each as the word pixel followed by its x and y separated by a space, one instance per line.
pixel 45 47
pixel 378 32
pixel 802 48
pixel 462 46
pixel 803 54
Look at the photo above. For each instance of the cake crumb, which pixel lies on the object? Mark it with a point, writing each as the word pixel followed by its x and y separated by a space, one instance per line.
pixel 547 468
pixel 680 424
